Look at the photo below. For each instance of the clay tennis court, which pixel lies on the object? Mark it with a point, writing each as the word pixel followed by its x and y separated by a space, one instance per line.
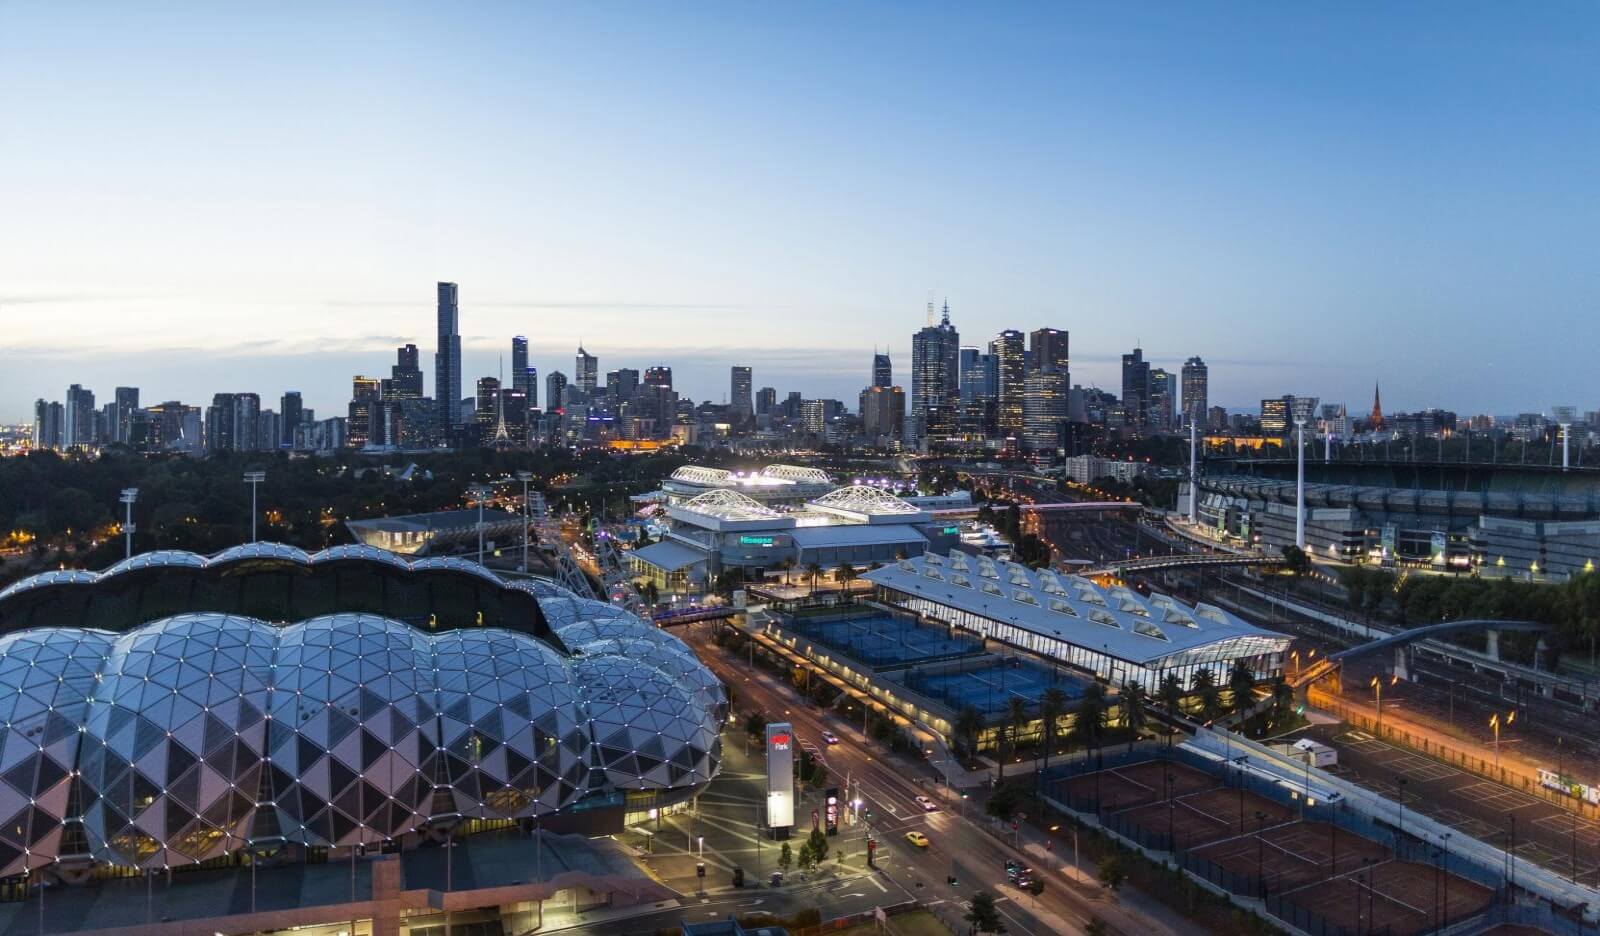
pixel 1207 816
pixel 1294 855
pixel 1136 784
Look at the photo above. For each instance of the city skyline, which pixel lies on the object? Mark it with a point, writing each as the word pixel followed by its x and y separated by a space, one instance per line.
pixel 1403 192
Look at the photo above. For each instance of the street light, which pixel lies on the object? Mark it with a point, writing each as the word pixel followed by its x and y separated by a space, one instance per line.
pixel 524 477
pixel 1494 722
pixel 254 479
pixel 480 493
pixel 129 495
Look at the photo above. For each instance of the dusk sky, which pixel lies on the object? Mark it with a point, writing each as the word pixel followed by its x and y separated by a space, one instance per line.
pixel 200 197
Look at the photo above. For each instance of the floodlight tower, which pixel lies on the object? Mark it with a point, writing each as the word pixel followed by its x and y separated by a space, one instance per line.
pixel 129 495
pixel 524 477
pixel 254 479
pixel 1300 483
pixel 1194 477
pixel 480 493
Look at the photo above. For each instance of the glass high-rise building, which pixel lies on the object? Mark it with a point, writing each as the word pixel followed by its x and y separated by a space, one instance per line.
pixel 123 412
pixel 586 375
pixel 1136 390
pixel 447 361
pixel 882 371
pixel 555 388
pixel 405 377
pixel 292 410
pixel 1163 400
pixel 522 375
pixel 766 400
pixel 1196 388
pixel 935 376
pixel 1011 369
pixel 740 402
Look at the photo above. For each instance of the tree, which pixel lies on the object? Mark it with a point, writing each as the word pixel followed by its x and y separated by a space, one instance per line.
pixel 1204 684
pixel 846 574
pixel 1296 560
pixel 808 857
pixel 818 842
pixel 1090 721
pixel 788 565
pixel 1241 683
pixel 1112 872
pixel 813 572
pixel 983 915
pixel 1135 710
pixel 785 857
pixel 1052 705
pixel 755 724
pixel 1172 700
pixel 1016 719
pixel 1282 695
pixel 968 724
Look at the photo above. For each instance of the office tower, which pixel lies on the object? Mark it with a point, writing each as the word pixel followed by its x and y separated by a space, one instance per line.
pixel 405 377
pixel 882 370
pixel 269 430
pixel 621 385
pixel 1011 371
pixel 883 412
pixel 126 405
pixel 811 416
pixel 1136 391
pixel 364 425
pixel 1217 417
pixel 486 412
pixel 935 377
pixel 513 416
pixel 1275 416
pixel 1196 388
pixel 79 411
pixel 292 408
pixel 1047 348
pixel 658 376
pixel 533 387
pixel 586 375
pixel 49 431
pixel 555 388
pixel 219 424
pixel 447 362
pixel 521 374
pixel 766 400
pixel 740 405
pixel 1044 412
pixel 1163 399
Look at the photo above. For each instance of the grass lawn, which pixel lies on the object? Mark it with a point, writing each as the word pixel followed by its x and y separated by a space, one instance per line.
pixel 915 923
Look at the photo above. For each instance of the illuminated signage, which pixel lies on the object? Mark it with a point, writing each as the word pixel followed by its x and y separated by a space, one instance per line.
pixel 952 531
pixel 832 814
pixel 780 775
pixel 757 541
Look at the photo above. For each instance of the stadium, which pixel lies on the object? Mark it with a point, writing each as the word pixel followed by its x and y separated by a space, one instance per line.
pixel 279 706
pixel 1497 519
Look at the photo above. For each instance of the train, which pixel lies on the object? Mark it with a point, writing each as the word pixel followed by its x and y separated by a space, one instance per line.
pixel 1564 784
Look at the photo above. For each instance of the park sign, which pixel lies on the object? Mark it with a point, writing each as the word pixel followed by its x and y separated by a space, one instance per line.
pixel 780 775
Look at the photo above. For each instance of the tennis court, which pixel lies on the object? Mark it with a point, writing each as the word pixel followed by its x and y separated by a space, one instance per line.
pixel 1294 855
pixel 1134 784
pixel 883 640
pixel 991 687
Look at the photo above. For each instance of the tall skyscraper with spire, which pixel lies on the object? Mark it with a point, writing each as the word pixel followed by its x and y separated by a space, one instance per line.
pixel 882 371
pixel 447 360
pixel 587 372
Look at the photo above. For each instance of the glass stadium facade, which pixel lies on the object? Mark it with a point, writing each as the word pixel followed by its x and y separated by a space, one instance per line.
pixel 132 736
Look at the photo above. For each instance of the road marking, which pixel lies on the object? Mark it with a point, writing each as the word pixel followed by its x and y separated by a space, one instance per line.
pixel 878 884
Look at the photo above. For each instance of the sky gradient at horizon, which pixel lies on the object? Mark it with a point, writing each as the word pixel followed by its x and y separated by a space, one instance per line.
pixel 198 199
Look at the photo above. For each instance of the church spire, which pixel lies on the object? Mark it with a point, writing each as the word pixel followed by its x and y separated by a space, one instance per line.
pixel 1377 409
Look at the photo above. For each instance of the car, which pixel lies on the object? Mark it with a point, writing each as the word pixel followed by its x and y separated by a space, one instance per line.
pixel 830 738
pixel 927 805
pixel 917 838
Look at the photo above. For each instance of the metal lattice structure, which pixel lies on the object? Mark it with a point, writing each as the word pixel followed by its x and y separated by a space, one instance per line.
pixel 708 477
pixel 865 499
pixel 729 505
pixel 568 571
pixel 618 586
pixel 797 473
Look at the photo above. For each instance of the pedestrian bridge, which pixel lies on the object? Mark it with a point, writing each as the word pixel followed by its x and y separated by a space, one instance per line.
pixel 1414 634
pixel 1163 563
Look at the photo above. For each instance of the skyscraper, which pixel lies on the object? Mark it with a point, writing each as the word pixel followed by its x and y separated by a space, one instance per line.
pixel 364 421
pixel 586 375
pixel 447 362
pixel 1196 388
pixel 658 376
pixel 555 388
pixel 292 408
pixel 883 412
pixel 1046 391
pixel 47 425
pixel 1163 399
pixel 1136 390
pixel 978 392
pixel 405 377
pixel 486 411
pixel 621 385
pixel 79 426
pixel 882 370
pixel 935 377
pixel 766 399
pixel 740 403
pixel 123 411
pixel 1010 364
pixel 520 373
pixel 1047 347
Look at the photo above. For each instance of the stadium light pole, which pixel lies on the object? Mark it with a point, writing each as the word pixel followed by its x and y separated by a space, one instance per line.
pixel 524 477
pixel 254 479
pixel 480 493
pixel 1194 477
pixel 1300 485
pixel 129 495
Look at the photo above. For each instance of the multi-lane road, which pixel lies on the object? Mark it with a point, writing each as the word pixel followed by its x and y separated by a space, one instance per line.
pixel 958 847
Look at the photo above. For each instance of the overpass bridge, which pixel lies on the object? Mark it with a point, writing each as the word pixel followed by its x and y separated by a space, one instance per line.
pixel 1165 563
pixel 1411 635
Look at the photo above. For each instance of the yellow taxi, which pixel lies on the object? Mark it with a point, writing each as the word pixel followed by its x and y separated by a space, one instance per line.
pixel 917 839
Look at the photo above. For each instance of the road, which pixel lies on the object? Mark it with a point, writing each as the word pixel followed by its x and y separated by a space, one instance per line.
pixel 888 784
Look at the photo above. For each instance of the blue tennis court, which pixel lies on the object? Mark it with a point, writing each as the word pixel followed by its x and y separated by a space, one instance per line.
pixel 886 640
pixel 990 688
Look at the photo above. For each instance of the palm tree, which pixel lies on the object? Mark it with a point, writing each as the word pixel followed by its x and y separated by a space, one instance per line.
pixel 846 574
pixel 788 565
pixel 1017 718
pixel 814 572
pixel 1135 710
pixel 1282 695
pixel 1091 719
pixel 1241 682
pixel 968 724
pixel 1204 684
pixel 1052 705
pixel 1172 701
